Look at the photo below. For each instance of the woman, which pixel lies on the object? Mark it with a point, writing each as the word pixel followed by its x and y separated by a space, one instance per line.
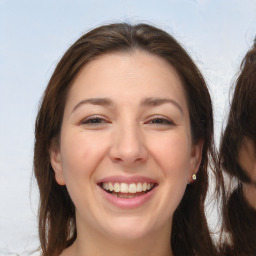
pixel 238 159
pixel 123 140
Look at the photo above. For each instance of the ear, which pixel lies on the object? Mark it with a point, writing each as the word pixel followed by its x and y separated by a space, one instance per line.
pixel 56 163
pixel 195 158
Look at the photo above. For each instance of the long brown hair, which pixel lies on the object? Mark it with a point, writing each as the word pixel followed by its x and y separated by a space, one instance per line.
pixel 57 227
pixel 239 217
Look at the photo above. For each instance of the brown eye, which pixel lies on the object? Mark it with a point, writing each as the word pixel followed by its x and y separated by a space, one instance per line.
pixel 160 120
pixel 94 121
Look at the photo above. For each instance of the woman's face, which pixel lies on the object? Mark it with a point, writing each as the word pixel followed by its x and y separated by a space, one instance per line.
pixel 125 152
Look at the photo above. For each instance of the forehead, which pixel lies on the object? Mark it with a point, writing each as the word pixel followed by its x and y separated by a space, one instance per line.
pixel 127 75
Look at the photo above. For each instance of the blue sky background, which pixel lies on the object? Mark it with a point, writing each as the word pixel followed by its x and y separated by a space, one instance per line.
pixel 34 35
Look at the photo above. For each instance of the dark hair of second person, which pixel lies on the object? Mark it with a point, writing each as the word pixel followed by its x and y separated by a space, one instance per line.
pixel 238 160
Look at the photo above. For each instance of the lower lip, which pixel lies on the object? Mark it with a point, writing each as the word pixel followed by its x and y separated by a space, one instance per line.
pixel 128 203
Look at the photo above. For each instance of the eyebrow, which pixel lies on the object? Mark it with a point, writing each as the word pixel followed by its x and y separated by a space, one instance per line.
pixel 94 101
pixel 148 102
pixel 154 102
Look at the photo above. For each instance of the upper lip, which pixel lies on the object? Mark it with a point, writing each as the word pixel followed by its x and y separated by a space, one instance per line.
pixel 128 180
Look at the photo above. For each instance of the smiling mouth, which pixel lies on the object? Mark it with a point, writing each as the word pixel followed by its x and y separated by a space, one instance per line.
pixel 125 190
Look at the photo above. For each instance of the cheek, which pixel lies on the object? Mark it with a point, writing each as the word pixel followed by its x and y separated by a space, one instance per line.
pixel 172 153
pixel 80 155
pixel 247 158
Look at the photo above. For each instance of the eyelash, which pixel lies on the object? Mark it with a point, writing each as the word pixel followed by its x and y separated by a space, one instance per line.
pixel 94 121
pixel 98 120
pixel 159 120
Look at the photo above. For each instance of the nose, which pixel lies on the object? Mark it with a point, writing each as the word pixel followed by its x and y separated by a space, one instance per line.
pixel 128 146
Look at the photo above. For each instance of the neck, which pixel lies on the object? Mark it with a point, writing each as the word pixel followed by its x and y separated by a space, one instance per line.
pixel 121 248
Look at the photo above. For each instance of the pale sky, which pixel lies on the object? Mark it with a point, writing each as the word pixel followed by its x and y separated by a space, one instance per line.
pixel 34 35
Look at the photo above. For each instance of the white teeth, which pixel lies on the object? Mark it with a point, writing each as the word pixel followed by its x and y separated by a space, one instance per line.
pixel 106 186
pixel 110 187
pixel 132 188
pixel 124 188
pixel 139 187
pixel 116 187
pixel 127 188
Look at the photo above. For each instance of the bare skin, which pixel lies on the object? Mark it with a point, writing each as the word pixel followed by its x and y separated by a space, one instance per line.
pixel 126 118
pixel 247 161
pixel 151 246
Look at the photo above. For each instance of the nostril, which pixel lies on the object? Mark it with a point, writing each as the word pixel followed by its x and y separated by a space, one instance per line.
pixel 129 158
pixel 128 148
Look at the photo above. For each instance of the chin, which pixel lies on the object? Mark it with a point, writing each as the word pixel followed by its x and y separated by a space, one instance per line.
pixel 129 229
